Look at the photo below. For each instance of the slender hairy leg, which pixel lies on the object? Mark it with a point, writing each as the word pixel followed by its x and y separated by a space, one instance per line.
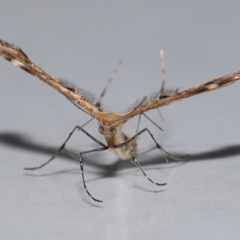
pixel 63 147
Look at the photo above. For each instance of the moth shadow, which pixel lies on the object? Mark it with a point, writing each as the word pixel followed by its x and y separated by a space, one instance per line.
pixel 21 141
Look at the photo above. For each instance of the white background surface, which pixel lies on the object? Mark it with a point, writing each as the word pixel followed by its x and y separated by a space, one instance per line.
pixel 83 41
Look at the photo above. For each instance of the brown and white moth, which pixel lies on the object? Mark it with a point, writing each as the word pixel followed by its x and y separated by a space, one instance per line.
pixel 110 123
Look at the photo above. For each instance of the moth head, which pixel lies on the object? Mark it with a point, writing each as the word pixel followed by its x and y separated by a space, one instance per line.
pixel 109 131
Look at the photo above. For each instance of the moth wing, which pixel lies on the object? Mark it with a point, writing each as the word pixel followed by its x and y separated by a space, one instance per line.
pixel 17 57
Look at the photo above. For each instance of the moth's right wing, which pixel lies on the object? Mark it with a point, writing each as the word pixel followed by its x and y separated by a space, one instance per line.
pixel 165 100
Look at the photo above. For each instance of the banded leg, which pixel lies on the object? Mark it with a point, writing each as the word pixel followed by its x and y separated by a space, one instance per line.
pixel 63 147
pixel 163 72
pixel 162 89
pixel 82 169
pixel 135 161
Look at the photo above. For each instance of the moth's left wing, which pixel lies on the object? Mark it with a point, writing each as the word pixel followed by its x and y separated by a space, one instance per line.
pixel 79 97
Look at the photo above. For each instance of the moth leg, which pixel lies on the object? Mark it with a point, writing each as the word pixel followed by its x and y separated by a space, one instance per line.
pixel 135 161
pixel 163 151
pixel 82 169
pixel 99 102
pixel 162 89
pixel 63 147
pixel 163 71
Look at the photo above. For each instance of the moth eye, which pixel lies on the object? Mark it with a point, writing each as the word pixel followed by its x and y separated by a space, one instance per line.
pixel 100 129
pixel 113 131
